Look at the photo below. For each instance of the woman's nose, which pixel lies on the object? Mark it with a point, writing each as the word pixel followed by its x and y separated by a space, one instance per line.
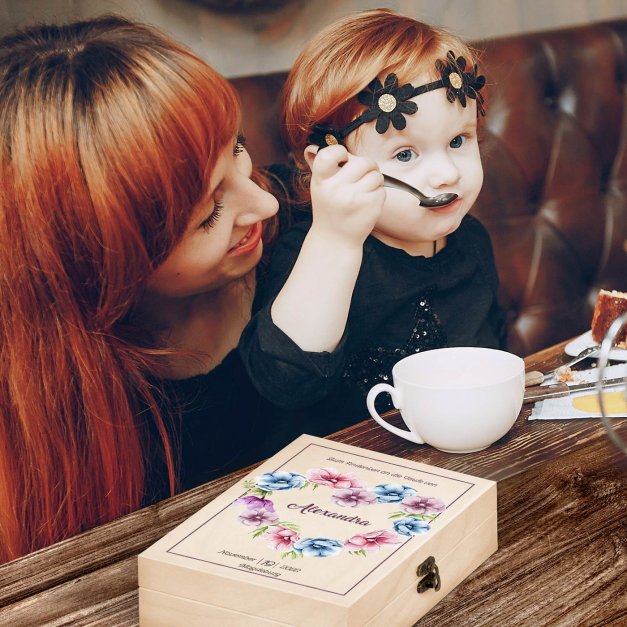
pixel 257 205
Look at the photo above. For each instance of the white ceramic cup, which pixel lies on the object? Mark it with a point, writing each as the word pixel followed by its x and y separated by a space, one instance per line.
pixel 458 400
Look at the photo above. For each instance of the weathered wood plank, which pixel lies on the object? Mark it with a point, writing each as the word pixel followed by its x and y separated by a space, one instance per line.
pixel 561 560
pixel 562 528
pixel 108 590
pixel 104 545
pixel 562 557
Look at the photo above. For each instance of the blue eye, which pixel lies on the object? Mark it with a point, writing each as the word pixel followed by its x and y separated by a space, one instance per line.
pixel 457 142
pixel 405 155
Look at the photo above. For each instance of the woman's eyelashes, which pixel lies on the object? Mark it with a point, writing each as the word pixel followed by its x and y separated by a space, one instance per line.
pixel 218 205
pixel 213 216
pixel 240 143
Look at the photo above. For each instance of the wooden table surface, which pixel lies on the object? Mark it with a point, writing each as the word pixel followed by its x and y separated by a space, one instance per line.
pixel 562 520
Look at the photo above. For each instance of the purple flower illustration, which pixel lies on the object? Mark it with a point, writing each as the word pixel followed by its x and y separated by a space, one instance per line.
pixel 392 492
pixel 334 478
pixel 317 547
pixel 422 505
pixel 257 517
pixel 254 502
pixel 280 480
pixel 411 526
pixel 281 538
pixel 353 497
pixel 372 541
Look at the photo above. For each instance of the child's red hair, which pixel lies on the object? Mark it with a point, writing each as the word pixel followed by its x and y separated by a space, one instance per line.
pixel 344 58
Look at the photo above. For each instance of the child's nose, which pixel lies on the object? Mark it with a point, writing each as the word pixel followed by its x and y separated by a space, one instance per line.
pixel 443 172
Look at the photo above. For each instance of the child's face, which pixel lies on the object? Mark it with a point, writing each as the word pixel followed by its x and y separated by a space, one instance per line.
pixel 223 239
pixel 437 152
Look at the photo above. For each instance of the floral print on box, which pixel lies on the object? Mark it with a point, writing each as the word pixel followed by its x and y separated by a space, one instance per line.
pixel 347 490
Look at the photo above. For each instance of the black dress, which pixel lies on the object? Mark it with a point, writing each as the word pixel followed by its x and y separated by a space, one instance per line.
pixel 218 423
pixel 401 305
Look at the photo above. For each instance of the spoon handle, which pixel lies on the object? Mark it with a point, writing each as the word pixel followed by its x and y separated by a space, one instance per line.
pixel 390 181
pixel 587 352
pixel 426 201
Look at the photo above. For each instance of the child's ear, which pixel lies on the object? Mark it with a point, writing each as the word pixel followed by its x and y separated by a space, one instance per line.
pixel 310 154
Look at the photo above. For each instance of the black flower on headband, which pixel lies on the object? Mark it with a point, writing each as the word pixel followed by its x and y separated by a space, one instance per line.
pixel 458 82
pixel 387 103
pixel 324 136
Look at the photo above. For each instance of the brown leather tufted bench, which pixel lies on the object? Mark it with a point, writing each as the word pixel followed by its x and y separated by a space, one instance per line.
pixel 555 157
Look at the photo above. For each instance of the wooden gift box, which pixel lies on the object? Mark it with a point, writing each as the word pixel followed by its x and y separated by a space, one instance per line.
pixel 321 534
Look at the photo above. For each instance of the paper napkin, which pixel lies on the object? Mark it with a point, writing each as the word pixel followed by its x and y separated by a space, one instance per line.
pixel 585 404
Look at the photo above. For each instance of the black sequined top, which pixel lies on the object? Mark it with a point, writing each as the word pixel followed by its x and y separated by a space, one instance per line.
pixel 401 305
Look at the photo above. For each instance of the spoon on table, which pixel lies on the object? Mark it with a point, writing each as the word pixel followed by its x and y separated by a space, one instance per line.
pixel 426 201
pixel 536 378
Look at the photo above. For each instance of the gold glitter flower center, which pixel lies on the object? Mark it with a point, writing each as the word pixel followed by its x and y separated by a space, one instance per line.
pixel 330 139
pixel 455 79
pixel 387 102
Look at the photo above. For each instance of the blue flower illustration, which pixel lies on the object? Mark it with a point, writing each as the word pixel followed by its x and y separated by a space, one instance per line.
pixel 392 492
pixel 411 526
pixel 280 480
pixel 317 547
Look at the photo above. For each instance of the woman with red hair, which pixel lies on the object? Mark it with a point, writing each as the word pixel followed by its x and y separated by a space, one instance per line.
pixel 130 228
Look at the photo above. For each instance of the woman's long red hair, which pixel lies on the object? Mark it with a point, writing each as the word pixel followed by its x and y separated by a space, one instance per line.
pixel 108 133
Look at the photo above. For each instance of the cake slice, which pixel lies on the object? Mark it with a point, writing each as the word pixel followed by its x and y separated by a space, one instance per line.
pixel 609 305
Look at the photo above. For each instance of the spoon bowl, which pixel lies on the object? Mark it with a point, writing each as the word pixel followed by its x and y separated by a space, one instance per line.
pixel 426 201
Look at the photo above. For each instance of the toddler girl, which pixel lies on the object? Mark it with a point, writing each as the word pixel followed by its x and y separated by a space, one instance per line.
pixel 374 275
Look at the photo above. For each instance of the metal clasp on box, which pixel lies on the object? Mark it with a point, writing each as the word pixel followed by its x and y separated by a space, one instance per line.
pixel 430 574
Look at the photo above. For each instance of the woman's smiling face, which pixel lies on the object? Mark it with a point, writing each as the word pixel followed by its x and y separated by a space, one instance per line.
pixel 437 152
pixel 222 241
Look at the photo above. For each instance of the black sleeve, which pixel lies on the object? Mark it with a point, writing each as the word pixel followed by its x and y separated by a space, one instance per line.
pixel 281 371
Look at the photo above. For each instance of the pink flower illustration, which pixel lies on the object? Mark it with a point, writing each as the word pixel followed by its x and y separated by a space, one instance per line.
pixel 257 517
pixel 422 505
pixel 281 538
pixel 254 502
pixel 353 497
pixel 333 478
pixel 372 541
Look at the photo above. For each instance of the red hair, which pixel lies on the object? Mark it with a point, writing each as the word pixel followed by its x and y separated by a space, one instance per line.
pixel 109 134
pixel 342 60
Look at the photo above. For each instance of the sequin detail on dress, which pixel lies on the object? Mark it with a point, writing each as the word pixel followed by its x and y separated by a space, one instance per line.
pixel 374 365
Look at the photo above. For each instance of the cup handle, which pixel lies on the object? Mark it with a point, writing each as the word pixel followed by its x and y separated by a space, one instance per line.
pixel 396 399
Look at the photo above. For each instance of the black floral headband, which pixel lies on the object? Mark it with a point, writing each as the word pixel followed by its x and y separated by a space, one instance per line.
pixel 390 103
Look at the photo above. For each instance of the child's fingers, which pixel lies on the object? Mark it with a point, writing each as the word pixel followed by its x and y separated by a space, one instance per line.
pixel 356 169
pixel 372 181
pixel 329 160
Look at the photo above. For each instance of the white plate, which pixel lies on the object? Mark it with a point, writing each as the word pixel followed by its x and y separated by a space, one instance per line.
pixel 584 341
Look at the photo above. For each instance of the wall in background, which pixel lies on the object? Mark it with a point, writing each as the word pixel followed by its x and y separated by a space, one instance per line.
pixel 238 44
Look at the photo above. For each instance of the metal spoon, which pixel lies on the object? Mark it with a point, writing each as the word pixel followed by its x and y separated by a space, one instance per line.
pixel 587 352
pixel 535 377
pixel 426 201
